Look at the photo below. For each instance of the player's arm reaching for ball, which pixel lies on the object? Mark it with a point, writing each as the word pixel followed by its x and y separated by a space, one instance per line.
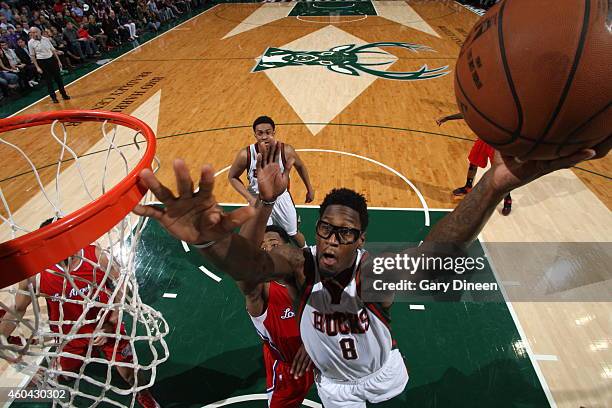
pixel 110 323
pixel 462 226
pixel 196 218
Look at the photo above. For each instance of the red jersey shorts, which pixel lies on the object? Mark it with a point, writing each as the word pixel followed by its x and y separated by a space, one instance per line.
pixel 80 346
pixel 481 153
pixel 283 390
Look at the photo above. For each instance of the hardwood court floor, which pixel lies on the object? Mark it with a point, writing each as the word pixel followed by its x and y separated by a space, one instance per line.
pixel 199 88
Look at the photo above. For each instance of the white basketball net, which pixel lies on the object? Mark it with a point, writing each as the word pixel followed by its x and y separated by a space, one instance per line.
pixel 36 348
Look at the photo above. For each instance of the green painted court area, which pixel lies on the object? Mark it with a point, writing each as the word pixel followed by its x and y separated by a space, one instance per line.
pixel 459 354
pixel 334 8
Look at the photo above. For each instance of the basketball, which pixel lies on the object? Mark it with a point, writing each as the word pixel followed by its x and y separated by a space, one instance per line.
pixel 533 78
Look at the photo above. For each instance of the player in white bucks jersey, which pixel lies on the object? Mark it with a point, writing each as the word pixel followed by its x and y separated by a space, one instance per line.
pixel 283 213
pixel 348 340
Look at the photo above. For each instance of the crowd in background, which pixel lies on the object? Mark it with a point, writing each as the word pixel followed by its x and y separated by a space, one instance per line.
pixel 484 4
pixel 81 31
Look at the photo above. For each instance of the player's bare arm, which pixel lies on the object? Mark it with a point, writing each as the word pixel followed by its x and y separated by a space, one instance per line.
pixel 110 323
pixel 197 218
pixel 300 167
pixel 238 167
pixel 255 293
pixel 8 323
pixel 22 302
pixel 454 116
pixel 462 226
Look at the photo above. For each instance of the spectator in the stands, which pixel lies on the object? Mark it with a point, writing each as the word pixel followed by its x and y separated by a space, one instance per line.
pixel 87 41
pixel 22 51
pixel 126 21
pixel 68 17
pixel 72 38
pixel 24 72
pixel 112 30
pixel 5 10
pixel 7 73
pixel 58 7
pixel 11 38
pixel 67 58
pixel 95 30
pixel 76 9
pixel 20 33
pixel 148 18
pixel 4 24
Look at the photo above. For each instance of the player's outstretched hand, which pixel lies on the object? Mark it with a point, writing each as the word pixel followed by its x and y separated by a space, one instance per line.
pixel 271 181
pixel 310 196
pixel 301 363
pixel 192 217
pixel 509 173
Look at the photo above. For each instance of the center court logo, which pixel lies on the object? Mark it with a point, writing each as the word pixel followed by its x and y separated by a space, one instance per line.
pixel 345 59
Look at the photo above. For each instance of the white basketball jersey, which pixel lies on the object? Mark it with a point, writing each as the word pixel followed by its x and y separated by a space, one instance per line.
pixel 252 151
pixel 346 338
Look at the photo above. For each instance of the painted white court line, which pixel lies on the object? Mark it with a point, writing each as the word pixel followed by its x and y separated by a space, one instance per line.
pixel 170 295
pixel 223 170
pixel 397 173
pixel 210 274
pixel 521 331
pixel 546 357
pixel 417 307
pixel 254 397
pixel 119 57
pixel 185 246
pixel 331 19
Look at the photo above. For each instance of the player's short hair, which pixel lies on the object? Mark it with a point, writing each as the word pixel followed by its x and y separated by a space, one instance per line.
pixel 263 119
pixel 281 232
pixel 49 221
pixel 347 198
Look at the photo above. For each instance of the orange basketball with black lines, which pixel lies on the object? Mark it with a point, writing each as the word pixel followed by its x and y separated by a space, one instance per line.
pixel 534 77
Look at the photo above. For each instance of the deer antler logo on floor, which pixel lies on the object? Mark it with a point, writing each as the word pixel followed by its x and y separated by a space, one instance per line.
pixel 345 59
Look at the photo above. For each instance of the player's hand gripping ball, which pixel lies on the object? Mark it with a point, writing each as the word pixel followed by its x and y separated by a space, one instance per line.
pixel 534 78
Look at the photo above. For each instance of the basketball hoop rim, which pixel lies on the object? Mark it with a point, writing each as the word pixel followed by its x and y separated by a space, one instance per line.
pixel 31 253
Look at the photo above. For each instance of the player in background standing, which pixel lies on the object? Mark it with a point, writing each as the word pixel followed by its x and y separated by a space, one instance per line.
pixel 480 154
pixel 283 214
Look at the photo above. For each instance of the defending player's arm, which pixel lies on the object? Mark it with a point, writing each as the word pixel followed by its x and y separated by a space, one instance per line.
pixel 254 230
pixel 238 167
pixel 443 119
pixel 198 219
pixel 292 155
pixel 22 302
pixel 110 324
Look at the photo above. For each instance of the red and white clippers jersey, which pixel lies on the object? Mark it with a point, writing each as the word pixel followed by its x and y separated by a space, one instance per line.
pixel 55 285
pixel 277 326
pixel 345 337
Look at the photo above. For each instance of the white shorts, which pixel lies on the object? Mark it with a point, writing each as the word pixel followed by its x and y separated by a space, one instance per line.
pixel 386 383
pixel 284 214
